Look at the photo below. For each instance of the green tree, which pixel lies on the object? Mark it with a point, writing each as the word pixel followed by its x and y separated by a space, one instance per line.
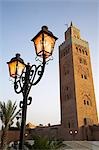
pixel 9 112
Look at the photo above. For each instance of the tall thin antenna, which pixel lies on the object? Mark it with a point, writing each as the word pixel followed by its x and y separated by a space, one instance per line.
pixel 66 25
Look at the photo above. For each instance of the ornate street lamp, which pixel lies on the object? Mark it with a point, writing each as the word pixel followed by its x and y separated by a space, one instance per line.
pixel 26 75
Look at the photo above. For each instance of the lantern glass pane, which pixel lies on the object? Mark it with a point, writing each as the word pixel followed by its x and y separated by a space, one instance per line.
pixel 12 68
pixel 45 46
pixel 49 43
pixel 20 68
pixel 15 65
pixel 38 44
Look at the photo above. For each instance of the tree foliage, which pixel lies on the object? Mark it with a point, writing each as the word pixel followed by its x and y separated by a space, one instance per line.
pixel 42 143
pixel 9 112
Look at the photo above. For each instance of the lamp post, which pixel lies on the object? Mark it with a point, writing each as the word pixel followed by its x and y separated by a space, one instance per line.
pixel 26 75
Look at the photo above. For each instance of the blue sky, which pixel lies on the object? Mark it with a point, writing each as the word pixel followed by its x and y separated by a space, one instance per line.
pixel 20 21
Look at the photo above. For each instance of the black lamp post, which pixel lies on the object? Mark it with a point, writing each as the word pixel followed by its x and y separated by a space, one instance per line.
pixel 26 75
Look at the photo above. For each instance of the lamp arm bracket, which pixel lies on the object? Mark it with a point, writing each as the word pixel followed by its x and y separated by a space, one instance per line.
pixel 17 85
pixel 19 82
pixel 36 73
pixel 29 77
pixel 29 100
pixel 21 104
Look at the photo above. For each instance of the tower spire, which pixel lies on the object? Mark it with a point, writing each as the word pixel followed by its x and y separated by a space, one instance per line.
pixel 71 24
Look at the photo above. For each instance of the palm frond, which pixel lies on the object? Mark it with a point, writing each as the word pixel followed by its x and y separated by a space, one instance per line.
pixel 8 114
pixel 3 110
pixel 17 113
pixel 14 107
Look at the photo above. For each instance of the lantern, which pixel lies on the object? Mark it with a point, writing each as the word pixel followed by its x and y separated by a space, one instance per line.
pixel 44 42
pixel 16 66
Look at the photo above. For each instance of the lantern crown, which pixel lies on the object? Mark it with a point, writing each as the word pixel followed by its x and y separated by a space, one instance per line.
pixel 16 58
pixel 44 29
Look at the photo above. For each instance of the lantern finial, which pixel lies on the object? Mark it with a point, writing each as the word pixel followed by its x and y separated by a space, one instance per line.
pixel 17 55
pixel 44 28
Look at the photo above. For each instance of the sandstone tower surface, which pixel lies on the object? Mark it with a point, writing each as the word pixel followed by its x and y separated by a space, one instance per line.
pixel 78 104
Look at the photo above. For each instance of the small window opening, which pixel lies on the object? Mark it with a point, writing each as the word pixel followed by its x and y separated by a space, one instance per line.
pixel 82 75
pixel 86 53
pixel 85 76
pixel 79 50
pixel 87 102
pixel 84 102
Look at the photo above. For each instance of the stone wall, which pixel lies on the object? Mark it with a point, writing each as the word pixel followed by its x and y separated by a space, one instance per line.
pixel 89 133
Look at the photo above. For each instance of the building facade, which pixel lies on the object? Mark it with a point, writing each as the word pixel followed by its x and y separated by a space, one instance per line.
pixel 77 97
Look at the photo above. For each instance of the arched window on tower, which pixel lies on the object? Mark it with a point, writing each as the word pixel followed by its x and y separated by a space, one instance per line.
pixel 86 53
pixel 82 51
pixel 79 50
pixel 84 102
pixel 85 77
pixel 87 102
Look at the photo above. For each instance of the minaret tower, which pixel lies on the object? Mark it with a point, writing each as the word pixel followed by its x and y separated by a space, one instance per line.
pixel 78 104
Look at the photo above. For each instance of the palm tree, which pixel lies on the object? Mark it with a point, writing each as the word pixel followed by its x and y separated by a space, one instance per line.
pixel 43 143
pixel 9 112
